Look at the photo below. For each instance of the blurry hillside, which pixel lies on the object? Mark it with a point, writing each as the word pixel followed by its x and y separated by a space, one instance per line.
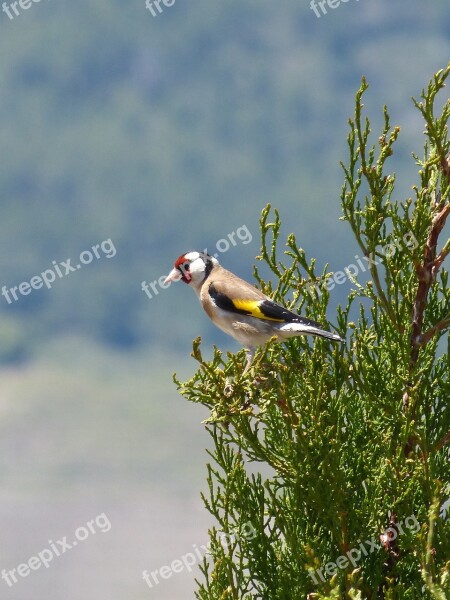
pixel 166 134
pixel 162 135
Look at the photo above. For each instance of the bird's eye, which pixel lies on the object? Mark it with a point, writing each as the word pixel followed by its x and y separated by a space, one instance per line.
pixel 183 268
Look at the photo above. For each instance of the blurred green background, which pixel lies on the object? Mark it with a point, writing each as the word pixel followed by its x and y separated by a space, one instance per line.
pixel 163 134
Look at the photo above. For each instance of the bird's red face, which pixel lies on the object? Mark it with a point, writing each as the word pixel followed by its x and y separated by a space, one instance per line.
pixel 180 270
pixel 182 265
pixel 192 268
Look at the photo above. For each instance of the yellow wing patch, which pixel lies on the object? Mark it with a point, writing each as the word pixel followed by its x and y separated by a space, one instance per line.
pixel 252 308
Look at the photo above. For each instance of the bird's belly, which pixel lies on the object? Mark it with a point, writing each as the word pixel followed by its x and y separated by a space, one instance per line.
pixel 244 329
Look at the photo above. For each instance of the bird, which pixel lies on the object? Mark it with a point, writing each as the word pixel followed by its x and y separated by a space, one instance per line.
pixel 238 308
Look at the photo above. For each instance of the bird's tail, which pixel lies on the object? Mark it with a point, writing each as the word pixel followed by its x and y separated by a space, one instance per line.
pixel 294 329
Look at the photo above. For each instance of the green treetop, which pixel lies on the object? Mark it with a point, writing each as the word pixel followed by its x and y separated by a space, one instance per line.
pixel 329 474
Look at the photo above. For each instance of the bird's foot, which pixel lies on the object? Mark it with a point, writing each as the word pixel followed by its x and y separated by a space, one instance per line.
pixel 228 389
pixel 250 353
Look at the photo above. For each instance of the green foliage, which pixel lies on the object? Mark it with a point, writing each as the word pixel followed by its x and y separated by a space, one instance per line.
pixel 319 448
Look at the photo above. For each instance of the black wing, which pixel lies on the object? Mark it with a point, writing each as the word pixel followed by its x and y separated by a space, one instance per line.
pixel 272 310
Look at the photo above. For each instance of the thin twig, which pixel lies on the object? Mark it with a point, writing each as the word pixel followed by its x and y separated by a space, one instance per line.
pixel 426 337
pixel 426 274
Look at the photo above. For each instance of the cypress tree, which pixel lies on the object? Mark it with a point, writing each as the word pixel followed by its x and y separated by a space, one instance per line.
pixel 329 473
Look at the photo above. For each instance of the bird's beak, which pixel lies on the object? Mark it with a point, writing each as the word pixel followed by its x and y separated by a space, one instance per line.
pixel 174 275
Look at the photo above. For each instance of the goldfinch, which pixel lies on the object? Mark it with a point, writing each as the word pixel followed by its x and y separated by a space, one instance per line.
pixel 238 308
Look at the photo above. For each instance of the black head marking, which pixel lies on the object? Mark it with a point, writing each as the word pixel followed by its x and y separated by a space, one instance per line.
pixel 207 259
